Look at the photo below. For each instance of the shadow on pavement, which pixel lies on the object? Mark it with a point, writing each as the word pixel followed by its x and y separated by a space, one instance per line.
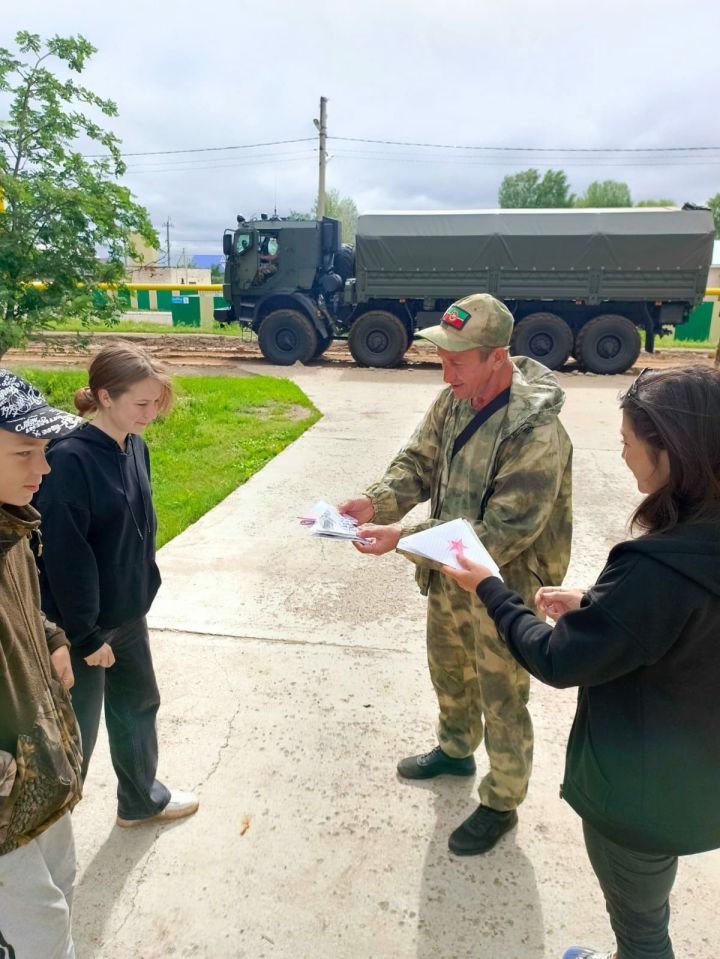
pixel 102 883
pixel 477 907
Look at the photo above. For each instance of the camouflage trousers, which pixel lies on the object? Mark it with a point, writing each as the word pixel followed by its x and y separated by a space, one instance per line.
pixel 478 684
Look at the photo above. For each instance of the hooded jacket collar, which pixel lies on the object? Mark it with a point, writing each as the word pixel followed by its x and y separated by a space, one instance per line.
pixel 535 397
pixel 15 523
pixel 97 437
pixel 690 549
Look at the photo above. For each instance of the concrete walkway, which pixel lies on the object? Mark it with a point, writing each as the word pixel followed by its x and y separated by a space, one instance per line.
pixel 293 677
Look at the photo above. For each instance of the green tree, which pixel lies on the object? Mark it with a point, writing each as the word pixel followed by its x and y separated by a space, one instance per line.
pixel 341 208
pixel 217 273
pixel 656 203
pixel 528 189
pixel 58 208
pixel 338 207
pixel 714 204
pixel 606 193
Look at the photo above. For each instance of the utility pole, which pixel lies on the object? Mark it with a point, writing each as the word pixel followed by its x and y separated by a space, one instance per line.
pixel 167 224
pixel 322 130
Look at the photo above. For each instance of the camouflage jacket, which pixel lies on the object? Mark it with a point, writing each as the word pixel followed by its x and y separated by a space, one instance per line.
pixel 39 739
pixel 512 480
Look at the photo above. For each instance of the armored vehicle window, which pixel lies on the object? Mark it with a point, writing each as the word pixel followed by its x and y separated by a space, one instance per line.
pixel 267 245
pixel 268 257
pixel 243 242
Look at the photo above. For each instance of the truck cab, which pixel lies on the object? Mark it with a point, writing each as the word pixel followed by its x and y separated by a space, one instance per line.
pixel 280 281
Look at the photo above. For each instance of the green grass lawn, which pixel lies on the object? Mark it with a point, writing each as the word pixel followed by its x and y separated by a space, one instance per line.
pixel 131 326
pixel 670 343
pixel 220 432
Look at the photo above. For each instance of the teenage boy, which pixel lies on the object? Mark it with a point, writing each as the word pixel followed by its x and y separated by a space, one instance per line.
pixel 39 741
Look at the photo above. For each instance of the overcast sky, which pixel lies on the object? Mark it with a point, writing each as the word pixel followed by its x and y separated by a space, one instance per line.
pixel 490 73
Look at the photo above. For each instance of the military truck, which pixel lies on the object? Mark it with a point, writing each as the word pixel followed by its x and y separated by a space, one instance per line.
pixel 579 282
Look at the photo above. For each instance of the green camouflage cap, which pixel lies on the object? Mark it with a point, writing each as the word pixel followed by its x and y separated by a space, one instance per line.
pixel 478 321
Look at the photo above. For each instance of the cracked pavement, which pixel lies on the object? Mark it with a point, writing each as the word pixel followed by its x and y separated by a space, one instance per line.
pixel 293 678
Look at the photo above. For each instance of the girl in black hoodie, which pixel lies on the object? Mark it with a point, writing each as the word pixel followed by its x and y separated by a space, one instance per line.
pixel 643 758
pixel 99 577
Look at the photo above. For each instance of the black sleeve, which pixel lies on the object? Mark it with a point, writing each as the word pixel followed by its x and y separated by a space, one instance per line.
pixel 68 561
pixel 598 642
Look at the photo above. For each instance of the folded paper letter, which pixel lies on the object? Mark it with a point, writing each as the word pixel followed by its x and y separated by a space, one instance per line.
pixel 442 543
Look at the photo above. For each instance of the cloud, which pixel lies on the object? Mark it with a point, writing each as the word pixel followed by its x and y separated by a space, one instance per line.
pixel 494 73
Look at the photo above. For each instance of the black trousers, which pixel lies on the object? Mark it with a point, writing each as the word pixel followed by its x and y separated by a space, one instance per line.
pixel 132 700
pixel 636 887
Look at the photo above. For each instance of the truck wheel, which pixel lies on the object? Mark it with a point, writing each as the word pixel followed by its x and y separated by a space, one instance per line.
pixel 378 339
pixel 323 343
pixel 344 261
pixel 607 344
pixel 544 337
pixel 287 337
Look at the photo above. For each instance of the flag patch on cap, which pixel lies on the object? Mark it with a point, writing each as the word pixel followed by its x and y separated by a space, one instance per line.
pixel 456 317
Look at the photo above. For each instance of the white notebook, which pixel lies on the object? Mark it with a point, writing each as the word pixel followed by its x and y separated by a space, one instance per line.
pixel 441 543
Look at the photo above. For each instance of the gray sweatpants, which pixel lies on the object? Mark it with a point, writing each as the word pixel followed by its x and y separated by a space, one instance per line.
pixel 36 886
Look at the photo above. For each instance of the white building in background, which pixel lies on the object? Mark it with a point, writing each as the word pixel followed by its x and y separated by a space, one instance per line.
pixel 145 267
pixel 168 274
pixel 714 276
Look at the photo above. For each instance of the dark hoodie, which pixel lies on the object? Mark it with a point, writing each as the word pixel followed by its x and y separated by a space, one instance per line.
pixel 97 567
pixel 643 758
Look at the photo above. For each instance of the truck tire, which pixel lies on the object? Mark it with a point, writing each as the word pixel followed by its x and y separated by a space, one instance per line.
pixel 344 261
pixel 607 344
pixel 544 337
pixel 287 337
pixel 378 339
pixel 323 343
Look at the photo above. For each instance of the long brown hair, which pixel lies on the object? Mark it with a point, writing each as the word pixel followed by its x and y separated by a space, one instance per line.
pixel 115 369
pixel 679 411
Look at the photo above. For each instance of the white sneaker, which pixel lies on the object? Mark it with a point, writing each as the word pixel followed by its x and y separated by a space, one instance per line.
pixel 181 804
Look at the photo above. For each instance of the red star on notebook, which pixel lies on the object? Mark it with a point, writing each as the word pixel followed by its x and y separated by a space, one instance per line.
pixel 457 546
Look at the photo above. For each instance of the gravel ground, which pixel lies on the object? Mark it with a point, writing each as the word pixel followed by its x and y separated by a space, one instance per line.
pixel 198 352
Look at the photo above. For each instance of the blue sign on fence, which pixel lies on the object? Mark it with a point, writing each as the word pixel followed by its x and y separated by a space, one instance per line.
pixel 181 299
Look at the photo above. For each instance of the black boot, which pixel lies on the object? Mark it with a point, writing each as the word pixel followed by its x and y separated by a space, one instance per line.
pixel 481 831
pixel 435 763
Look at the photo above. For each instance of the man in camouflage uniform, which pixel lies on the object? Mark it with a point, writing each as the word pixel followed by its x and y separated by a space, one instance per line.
pixel 511 479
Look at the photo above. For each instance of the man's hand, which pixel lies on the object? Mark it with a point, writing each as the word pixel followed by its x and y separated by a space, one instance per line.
pixel 554 601
pixel 471 574
pixel 63 668
pixel 361 509
pixel 384 539
pixel 101 657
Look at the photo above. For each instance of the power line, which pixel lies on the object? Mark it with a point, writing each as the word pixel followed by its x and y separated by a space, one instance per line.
pixel 230 164
pixel 435 146
pixel 157 153
pixel 510 149
pixel 490 161
pixel 340 156
pixel 204 161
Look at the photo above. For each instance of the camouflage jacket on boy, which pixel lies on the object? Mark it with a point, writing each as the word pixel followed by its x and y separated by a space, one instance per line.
pixel 39 739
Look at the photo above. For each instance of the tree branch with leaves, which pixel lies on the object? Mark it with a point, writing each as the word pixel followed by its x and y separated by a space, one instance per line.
pixel 59 207
pixel 713 205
